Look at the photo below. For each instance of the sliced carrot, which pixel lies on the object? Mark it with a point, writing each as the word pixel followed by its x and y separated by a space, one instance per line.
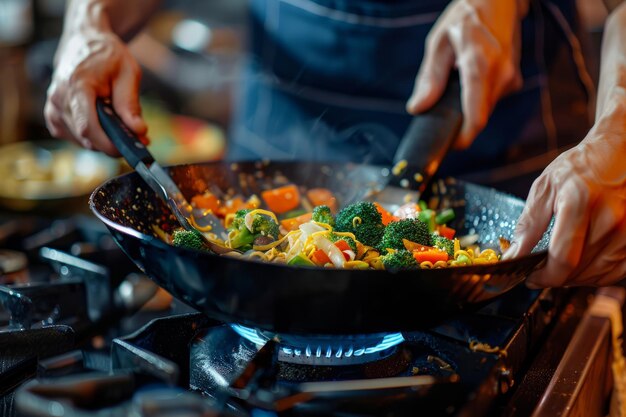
pixel 431 255
pixel 206 201
pixel 412 246
pixel 446 232
pixel 282 199
pixel 295 222
pixel 320 258
pixel 322 197
pixel 387 217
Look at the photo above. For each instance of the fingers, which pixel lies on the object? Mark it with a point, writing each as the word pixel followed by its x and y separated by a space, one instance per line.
pixel 485 59
pixel 82 120
pixel 604 257
pixel 534 219
pixel 55 123
pixel 91 65
pixel 487 73
pixel 125 97
pixel 433 74
pixel 475 100
pixel 572 216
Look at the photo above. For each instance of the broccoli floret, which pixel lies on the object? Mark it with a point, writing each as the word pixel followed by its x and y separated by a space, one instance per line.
pixel 265 226
pixel 399 260
pixel 189 239
pixel 322 214
pixel 363 220
pixel 239 219
pixel 409 229
pixel 243 238
pixel 444 244
pixel 334 238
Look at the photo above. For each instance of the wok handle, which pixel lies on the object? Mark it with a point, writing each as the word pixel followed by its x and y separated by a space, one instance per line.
pixel 122 137
pixel 431 134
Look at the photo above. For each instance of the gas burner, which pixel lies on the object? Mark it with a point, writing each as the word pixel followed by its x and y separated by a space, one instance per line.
pixel 322 350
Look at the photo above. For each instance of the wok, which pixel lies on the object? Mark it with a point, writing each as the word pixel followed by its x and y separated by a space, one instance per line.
pixel 286 299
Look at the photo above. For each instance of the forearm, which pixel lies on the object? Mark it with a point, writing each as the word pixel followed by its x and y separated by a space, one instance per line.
pixel 122 17
pixel 612 85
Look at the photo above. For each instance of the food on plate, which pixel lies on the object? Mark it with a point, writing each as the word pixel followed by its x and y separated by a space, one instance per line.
pixel 363 235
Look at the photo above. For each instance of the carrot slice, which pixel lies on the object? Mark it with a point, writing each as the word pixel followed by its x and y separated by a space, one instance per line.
pixel 431 255
pixel 295 222
pixel 320 258
pixel 412 246
pixel 206 201
pixel 387 217
pixel 322 197
pixel 282 199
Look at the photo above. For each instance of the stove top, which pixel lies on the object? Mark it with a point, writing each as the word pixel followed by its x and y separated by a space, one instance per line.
pixel 84 333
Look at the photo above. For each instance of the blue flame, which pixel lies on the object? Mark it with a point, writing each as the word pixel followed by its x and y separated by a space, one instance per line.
pixel 316 349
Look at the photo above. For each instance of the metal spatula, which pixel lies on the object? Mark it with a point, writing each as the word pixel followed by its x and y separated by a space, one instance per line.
pixel 424 145
pixel 136 154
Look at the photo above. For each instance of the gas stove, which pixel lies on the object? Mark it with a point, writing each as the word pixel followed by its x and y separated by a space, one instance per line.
pixel 83 332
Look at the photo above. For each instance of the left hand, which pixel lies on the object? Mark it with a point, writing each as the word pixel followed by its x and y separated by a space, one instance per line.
pixel 482 39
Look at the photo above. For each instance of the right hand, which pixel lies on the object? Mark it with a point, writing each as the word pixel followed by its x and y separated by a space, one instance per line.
pixel 92 64
pixel 481 38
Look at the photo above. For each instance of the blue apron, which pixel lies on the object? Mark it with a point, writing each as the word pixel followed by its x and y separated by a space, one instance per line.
pixel 327 80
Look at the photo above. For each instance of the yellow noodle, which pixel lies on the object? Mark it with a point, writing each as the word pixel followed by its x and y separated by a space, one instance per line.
pixel 348 234
pixel 324 225
pixel 195 225
pixel 257 254
pixel 271 245
pixel 426 265
pixel 266 212
pixel 440 264
pixel 462 252
pixel 228 220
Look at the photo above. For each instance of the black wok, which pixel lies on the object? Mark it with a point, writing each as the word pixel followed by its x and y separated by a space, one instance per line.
pixel 289 299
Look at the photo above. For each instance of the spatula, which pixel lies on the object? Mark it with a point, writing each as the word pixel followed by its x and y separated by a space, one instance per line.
pixel 139 158
pixel 424 145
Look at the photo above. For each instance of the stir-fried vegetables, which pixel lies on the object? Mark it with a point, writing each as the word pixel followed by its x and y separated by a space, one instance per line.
pixel 363 235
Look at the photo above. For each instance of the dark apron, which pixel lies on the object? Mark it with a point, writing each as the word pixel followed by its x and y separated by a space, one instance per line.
pixel 328 81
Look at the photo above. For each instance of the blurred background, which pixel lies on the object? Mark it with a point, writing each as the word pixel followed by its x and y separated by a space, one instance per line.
pixel 191 54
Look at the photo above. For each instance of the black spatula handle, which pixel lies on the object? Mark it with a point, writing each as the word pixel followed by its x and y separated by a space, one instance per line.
pixel 122 137
pixel 431 134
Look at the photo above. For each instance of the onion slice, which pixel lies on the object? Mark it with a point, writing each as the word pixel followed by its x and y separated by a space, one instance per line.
pixel 334 253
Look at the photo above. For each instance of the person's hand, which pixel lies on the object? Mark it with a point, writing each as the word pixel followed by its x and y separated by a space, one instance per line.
pixel 585 189
pixel 93 64
pixel 482 39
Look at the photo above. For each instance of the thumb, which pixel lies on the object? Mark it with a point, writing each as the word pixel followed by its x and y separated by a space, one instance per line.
pixel 534 219
pixel 126 99
pixel 432 77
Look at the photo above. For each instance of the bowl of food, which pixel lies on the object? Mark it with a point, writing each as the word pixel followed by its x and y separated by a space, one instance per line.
pixel 50 175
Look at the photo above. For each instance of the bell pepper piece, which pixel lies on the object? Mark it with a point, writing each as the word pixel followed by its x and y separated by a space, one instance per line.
pixel 322 197
pixel 282 199
pixel 446 232
pixel 300 260
pixel 387 217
